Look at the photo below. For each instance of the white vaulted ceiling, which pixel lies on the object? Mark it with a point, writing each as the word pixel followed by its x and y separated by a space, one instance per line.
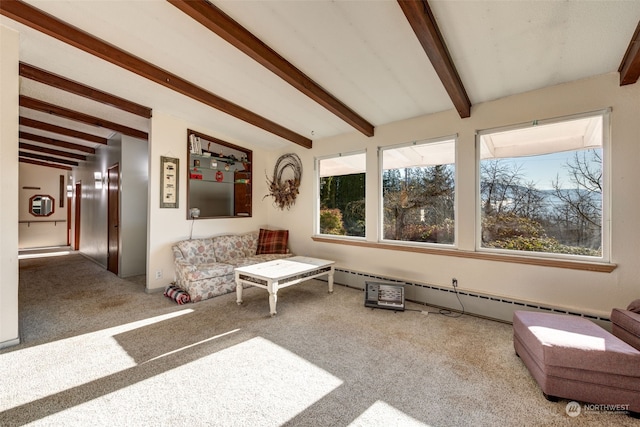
pixel 364 53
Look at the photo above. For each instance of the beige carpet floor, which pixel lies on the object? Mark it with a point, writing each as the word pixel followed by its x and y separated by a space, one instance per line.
pixel 97 350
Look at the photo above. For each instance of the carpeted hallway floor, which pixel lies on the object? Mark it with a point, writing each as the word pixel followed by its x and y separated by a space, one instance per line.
pixel 98 350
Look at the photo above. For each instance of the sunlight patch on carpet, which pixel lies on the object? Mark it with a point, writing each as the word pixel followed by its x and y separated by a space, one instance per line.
pixel 254 383
pixel 60 365
pixel 383 414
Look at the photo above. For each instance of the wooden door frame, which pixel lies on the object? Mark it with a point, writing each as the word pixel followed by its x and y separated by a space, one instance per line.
pixel 77 194
pixel 113 261
pixel 69 199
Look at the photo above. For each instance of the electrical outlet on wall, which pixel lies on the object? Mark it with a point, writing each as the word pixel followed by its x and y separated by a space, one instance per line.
pixel 159 274
pixel 454 282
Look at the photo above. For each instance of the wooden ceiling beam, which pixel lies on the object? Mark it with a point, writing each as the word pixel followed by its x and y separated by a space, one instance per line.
pixel 424 25
pixel 58 153
pixel 228 29
pixel 45 164
pixel 630 66
pixel 56 110
pixel 47 24
pixel 46 158
pixel 55 142
pixel 36 124
pixel 39 75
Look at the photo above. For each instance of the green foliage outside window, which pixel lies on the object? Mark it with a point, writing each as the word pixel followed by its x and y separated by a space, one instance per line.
pixel 342 205
pixel 419 204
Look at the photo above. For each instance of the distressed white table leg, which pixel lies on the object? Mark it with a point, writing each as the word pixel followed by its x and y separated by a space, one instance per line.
pixel 273 297
pixel 238 290
pixel 331 280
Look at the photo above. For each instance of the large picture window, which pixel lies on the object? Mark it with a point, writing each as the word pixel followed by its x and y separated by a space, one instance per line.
pixel 342 195
pixel 542 187
pixel 418 192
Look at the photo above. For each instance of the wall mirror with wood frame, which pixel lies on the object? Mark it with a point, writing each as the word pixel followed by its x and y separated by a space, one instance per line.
pixel 41 205
pixel 218 178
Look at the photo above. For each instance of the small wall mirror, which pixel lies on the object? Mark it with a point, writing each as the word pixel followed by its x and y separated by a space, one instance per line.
pixel 41 205
pixel 218 178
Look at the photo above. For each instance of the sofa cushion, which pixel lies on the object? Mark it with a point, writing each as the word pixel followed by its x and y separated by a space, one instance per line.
pixel 250 243
pixel 197 251
pixel 272 242
pixel 626 326
pixel 567 341
pixel 229 247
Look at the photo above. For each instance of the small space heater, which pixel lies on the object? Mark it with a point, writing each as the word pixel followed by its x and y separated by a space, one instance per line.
pixel 384 295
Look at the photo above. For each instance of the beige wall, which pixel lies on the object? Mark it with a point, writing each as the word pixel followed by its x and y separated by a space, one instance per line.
pixel 94 213
pixel 9 41
pixel 584 291
pixel 38 232
pixel 168 138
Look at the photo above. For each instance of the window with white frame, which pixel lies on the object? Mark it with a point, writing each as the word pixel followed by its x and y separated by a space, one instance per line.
pixel 342 194
pixel 418 191
pixel 543 187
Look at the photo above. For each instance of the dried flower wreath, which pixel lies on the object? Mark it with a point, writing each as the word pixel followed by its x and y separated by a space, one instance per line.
pixel 285 191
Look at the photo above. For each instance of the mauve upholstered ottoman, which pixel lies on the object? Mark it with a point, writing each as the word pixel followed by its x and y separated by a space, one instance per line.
pixel 573 358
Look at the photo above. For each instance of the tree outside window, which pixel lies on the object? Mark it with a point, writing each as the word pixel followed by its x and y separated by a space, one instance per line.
pixel 541 188
pixel 418 192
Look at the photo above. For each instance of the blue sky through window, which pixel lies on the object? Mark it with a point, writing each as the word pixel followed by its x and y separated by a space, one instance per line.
pixel 544 169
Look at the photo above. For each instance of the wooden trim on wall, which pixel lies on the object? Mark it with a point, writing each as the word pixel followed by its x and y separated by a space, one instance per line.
pixel 598 267
pixel 61 194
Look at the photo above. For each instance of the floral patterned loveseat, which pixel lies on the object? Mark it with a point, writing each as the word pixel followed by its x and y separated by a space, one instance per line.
pixel 205 267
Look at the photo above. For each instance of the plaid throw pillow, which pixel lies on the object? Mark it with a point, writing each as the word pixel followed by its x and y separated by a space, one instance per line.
pixel 272 241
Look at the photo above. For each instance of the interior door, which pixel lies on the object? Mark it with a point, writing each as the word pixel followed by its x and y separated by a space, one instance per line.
pixel 113 207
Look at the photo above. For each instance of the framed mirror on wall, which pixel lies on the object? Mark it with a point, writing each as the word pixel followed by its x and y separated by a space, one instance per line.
pixel 218 178
pixel 41 205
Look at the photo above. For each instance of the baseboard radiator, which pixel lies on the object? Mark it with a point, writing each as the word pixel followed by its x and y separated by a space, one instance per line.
pixel 478 304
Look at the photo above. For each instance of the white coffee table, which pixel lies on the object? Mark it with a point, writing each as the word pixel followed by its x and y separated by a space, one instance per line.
pixel 274 275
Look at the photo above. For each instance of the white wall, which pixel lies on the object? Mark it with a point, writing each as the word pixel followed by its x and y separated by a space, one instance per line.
pixel 94 215
pixel 168 137
pixel 38 232
pixel 9 43
pixel 134 181
pixel 584 291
